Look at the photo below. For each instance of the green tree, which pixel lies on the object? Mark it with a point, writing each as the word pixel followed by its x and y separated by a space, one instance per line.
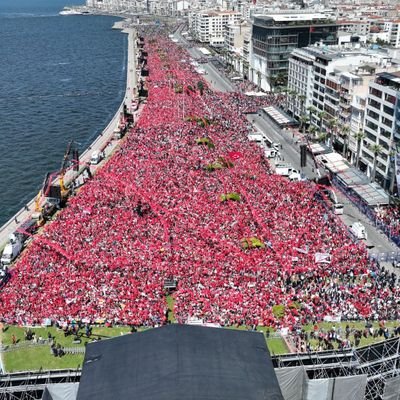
pixel 377 150
pixel 200 86
pixel 312 130
pixel 303 122
pixel 321 116
pixel 258 78
pixel 311 111
pixel 345 131
pixel 332 124
pixel 359 136
pixel 302 100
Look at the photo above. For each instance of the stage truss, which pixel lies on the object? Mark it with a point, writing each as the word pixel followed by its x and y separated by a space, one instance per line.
pixel 379 362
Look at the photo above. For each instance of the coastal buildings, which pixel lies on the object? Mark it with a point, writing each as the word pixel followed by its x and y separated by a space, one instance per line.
pixel 210 26
pixel 275 36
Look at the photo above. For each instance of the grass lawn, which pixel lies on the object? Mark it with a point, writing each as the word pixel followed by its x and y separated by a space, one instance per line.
pixel 171 303
pixel 358 325
pixel 58 335
pixel 277 346
pixel 34 358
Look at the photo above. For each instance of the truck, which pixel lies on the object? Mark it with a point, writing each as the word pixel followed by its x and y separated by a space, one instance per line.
pixel 286 170
pixel 338 208
pixel 257 138
pixel 16 241
pixel 12 249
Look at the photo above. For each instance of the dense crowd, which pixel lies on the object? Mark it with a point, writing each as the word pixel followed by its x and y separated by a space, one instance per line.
pixel 389 217
pixel 156 211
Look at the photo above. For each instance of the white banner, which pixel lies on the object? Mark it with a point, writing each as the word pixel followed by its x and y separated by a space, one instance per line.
pixel 323 258
pixel 332 318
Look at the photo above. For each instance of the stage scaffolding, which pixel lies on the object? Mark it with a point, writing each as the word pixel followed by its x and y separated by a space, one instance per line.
pixel 31 385
pixel 379 362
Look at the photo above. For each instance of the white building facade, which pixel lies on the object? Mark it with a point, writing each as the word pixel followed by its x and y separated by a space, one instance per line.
pixel 210 26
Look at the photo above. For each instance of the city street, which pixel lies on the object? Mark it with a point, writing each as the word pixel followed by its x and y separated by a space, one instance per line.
pixel 377 241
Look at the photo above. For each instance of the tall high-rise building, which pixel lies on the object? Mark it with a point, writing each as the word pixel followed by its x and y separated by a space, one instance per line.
pixel 275 36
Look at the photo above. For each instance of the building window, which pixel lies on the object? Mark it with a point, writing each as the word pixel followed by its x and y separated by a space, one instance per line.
pixel 375 92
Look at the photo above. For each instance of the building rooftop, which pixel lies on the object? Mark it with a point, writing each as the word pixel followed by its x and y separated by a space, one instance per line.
pixel 287 17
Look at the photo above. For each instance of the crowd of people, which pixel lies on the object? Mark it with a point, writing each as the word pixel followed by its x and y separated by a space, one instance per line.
pixel 336 337
pixel 389 217
pixel 154 212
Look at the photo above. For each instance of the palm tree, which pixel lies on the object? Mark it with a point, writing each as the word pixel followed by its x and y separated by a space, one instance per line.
pixel 345 134
pixel 302 99
pixel 359 136
pixel 303 122
pixel 200 86
pixel 332 123
pixel 286 90
pixel 258 79
pixel 321 116
pixel 293 95
pixel 322 136
pixel 312 130
pixel 377 150
pixel 279 79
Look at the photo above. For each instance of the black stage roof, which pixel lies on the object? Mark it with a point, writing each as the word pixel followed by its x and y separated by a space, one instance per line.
pixel 180 362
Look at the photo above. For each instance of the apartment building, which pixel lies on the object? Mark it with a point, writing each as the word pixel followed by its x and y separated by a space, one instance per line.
pixel 382 128
pixel 386 31
pixel 209 26
pixel 300 81
pixel 356 26
pixel 236 34
pixel 330 85
pixel 275 36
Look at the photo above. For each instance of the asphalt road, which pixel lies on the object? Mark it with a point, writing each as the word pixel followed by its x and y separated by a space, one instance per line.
pixel 377 241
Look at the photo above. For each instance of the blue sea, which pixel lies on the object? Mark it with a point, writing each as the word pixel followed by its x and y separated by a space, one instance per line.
pixel 62 78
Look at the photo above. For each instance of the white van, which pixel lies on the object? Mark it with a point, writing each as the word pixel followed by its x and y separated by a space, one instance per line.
pixel 96 157
pixel 338 208
pixel 358 230
pixel 12 250
pixel 285 170
pixel 295 176
pixel 271 153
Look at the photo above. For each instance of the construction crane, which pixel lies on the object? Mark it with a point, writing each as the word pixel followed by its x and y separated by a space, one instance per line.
pixel 53 195
pixel 71 158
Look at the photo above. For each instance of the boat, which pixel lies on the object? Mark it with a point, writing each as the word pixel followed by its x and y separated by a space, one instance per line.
pixel 70 11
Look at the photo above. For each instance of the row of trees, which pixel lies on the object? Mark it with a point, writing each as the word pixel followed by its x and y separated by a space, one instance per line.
pixel 334 130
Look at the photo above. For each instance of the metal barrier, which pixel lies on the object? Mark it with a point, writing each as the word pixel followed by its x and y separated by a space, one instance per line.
pixel 366 210
pixel 390 256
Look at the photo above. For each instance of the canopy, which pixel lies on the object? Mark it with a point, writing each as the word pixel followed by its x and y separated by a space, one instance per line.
pixel 178 362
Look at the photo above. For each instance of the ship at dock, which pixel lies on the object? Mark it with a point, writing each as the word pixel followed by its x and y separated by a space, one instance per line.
pixel 74 11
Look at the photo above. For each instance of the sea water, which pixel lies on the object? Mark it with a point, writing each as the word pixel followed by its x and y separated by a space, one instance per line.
pixel 62 78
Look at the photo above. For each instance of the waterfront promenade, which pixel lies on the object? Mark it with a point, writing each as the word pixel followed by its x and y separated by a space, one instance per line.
pixel 103 141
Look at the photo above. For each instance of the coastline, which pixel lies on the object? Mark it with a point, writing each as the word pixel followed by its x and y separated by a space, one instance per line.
pixel 102 142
